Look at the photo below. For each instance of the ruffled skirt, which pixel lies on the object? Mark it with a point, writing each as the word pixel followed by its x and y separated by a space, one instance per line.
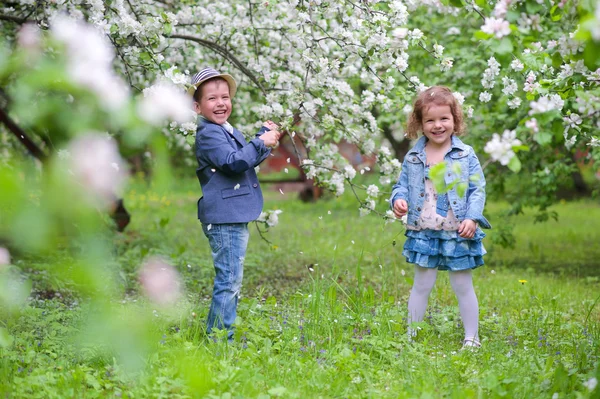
pixel 444 250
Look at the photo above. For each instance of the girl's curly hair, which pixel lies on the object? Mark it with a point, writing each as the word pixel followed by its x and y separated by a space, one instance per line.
pixel 435 95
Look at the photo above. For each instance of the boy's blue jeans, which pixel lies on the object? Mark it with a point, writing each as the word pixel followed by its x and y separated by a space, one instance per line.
pixel 228 243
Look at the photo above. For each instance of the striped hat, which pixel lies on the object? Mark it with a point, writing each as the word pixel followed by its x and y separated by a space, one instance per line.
pixel 209 73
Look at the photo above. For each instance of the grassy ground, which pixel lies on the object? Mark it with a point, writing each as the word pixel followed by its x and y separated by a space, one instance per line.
pixel 322 313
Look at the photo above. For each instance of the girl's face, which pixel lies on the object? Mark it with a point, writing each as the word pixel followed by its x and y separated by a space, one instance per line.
pixel 215 103
pixel 438 125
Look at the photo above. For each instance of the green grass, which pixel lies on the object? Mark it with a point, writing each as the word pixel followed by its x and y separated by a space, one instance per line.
pixel 322 313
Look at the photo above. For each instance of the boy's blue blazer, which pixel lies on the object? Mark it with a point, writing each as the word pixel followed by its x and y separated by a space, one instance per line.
pixel 230 188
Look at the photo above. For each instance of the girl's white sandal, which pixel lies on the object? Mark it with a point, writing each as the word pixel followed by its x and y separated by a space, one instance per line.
pixel 471 343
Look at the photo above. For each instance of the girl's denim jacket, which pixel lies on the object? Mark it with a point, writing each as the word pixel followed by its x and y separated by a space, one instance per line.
pixel 411 185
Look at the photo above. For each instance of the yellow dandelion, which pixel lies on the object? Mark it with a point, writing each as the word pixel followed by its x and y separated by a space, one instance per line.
pixel 522 281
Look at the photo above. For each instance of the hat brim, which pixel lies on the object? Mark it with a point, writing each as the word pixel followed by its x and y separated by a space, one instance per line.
pixel 228 78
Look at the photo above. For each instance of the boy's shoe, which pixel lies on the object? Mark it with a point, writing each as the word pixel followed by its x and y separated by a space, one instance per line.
pixel 471 343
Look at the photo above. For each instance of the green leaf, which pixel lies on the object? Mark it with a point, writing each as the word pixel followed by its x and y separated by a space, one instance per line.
pixel 457 3
pixel 461 188
pixel 481 35
pixel 436 174
pixel 6 339
pixel 504 46
pixel 522 147
pixel 277 391
pixel 591 55
pixel 533 8
pixel 514 164
pixel 543 138
pixel 557 60
pixel 555 13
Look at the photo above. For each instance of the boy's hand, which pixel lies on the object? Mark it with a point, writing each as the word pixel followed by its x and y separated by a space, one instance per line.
pixel 467 228
pixel 271 125
pixel 271 138
pixel 400 208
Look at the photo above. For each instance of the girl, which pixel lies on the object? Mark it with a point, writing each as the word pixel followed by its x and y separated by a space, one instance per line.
pixel 442 228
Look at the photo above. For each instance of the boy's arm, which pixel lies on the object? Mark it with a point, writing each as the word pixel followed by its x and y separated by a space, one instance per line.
pixel 213 145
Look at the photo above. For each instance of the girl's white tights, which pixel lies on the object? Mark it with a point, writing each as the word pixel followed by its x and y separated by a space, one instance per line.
pixel 462 284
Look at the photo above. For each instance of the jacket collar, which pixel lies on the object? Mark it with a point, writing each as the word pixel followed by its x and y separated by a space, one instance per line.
pixel 233 132
pixel 419 147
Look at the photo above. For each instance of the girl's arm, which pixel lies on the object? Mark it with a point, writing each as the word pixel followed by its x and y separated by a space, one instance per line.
pixel 476 192
pixel 400 189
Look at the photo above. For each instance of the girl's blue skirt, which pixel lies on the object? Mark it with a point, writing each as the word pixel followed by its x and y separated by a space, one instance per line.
pixel 444 250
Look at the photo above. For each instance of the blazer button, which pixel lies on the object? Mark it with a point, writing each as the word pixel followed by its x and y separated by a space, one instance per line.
pixel 419 209
pixel 255 185
pixel 454 202
pixel 422 194
pixel 414 159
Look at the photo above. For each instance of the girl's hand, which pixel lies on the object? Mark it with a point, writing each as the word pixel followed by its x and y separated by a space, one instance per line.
pixel 467 228
pixel 400 208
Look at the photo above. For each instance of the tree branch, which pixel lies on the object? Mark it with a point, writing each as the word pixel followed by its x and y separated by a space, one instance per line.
pixel 23 138
pixel 12 18
pixel 226 54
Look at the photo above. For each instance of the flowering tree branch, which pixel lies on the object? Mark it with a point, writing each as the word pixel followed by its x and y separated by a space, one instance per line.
pixel 224 53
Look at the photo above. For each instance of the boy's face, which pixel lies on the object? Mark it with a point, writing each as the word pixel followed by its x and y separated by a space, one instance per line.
pixel 215 102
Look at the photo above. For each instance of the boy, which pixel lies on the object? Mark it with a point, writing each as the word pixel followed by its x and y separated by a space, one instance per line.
pixel 231 193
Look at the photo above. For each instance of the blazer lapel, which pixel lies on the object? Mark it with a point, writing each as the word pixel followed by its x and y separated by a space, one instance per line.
pixel 239 137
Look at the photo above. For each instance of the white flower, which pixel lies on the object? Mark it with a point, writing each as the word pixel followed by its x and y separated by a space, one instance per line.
pixel 546 103
pixel 446 64
pixel 273 218
pixel 160 281
pixel 485 97
pixel 164 101
pixel 30 36
pixel 370 204
pixel 517 65
pixel 533 125
pixel 591 383
pixel 400 33
pixel 453 31
pixel 573 120
pixel 90 58
pixel 497 27
pixel 500 148
pixel 4 257
pixel 594 142
pixel 514 103
pixel 415 34
pixel 349 172
pixel 438 50
pixel 92 162
pixel 459 97
pixel 373 191
pixel 510 86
